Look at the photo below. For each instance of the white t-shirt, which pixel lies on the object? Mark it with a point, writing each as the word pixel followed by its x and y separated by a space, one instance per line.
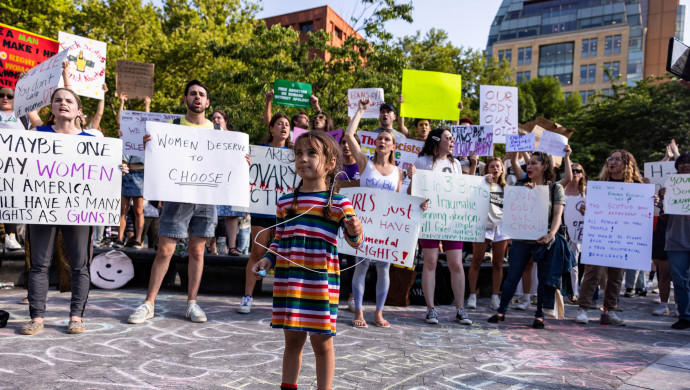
pixel 428 163
pixel 10 121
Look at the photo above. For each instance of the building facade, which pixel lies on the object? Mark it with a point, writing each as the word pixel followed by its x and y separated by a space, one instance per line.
pixel 575 40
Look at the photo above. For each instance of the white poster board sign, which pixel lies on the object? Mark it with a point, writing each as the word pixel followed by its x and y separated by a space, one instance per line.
pixel 133 128
pixel 573 218
pixel 677 199
pixel 375 96
pixel 618 225
pixel 520 143
pixel 476 138
pixel 271 175
pixel 192 165
pixel 59 179
pixel 34 89
pixel 406 152
pixel 87 64
pixel 391 222
pixel 526 212
pixel 498 107
pixel 458 208
pixel 552 143
pixel 658 171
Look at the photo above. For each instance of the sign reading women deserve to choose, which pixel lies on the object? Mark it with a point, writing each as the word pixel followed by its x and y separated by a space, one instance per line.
pixel 618 225
pixel 271 175
pixel 391 222
pixel 34 89
pixel 192 165
pixel 21 51
pixel 87 60
pixel 458 208
pixel 477 139
pixel 58 179
pixel 498 107
pixel 677 199
pixel 133 128
pixel 291 93
pixel 525 212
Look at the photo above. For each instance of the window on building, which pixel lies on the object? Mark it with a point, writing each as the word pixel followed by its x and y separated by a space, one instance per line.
pixel 338 33
pixel 505 54
pixel 306 27
pixel 557 60
pixel 524 56
pixel 614 67
pixel 567 94
pixel 523 76
pixel 585 95
pixel 588 74
pixel 589 48
pixel 521 56
pixel 612 45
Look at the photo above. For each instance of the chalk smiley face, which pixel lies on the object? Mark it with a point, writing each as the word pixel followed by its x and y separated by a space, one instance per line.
pixel 111 270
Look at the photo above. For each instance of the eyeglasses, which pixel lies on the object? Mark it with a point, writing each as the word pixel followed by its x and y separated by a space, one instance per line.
pixel 614 159
pixel 320 116
pixel 577 170
pixel 9 96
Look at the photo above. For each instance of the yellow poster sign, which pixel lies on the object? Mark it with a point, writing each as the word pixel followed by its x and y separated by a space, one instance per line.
pixel 431 95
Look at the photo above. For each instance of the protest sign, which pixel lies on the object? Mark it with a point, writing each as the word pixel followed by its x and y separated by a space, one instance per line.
pixel 192 165
pixel 133 128
pixel 87 60
pixel 59 179
pixel 406 152
pixel 458 208
pixel 573 218
pixel 336 134
pixel 291 93
pixel 375 96
pixel 520 143
pixel 618 225
pixel 391 222
pixel 271 175
pixel 552 143
pixel 477 139
pixel 526 212
pixel 34 89
pixel 134 79
pixel 498 107
pixel 657 172
pixel 21 51
pixel 431 95
pixel 677 199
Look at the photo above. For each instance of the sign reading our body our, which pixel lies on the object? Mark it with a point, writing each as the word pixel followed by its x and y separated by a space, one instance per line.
pixel 271 175
pixel 406 152
pixel 133 128
pixel 291 93
pixel 192 165
pixel 431 95
pixel 498 107
pixel 552 143
pixel 134 79
pixel 618 228
pixel 477 139
pixel 526 212
pixel 391 222
pixel 458 208
pixel 87 60
pixel 520 143
pixel 21 51
pixel 34 89
pixel 375 96
pixel 58 179
pixel 677 199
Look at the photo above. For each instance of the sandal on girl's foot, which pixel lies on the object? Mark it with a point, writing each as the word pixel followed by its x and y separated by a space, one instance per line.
pixel 382 324
pixel 359 324
pixel 234 252
pixel 538 323
pixel 496 318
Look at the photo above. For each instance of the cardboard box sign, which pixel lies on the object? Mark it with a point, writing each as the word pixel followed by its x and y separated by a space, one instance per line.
pixel 539 125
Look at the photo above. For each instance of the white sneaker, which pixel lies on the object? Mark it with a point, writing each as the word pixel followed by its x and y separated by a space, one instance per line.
pixel 245 305
pixel 351 304
pixel 495 302
pixel 471 302
pixel 11 242
pixel 524 305
pixel 141 314
pixel 462 317
pixel 194 312
pixel 581 317
pixel 662 310
pixel 431 316
pixel 615 320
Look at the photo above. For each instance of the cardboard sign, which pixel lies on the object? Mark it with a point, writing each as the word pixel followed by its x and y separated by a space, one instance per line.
pixel 431 95
pixel 526 212
pixel 520 143
pixel 59 179
pixel 21 51
pixel 271 175
pixel 573 218
pixel 192 165
pixel 552 143
pixel 87 64
pixel 336 134
pixel 458 208
pixel 406 153
pixel 34 89
pixel 498 106
pixel 133 128
pixel 134 79
pixel 477 139
pixel 391 222
pixel 677 199
pixel 618 225
pixel 291 93
pixel 375 96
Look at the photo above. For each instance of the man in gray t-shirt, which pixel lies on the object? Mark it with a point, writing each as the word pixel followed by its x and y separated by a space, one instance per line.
pixel 387 117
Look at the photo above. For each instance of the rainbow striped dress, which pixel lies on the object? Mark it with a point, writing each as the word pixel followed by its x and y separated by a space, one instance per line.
pixel 304 300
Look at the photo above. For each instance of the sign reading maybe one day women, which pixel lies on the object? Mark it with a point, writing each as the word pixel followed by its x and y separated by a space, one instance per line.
pixel 192 165
pixel 391 223
pixel 58 179
pixel 677 199
pixel 458 208
pixel 618 225
pixel 526 212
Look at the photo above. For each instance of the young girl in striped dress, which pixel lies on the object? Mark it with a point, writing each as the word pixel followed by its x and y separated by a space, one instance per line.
pixel 306 287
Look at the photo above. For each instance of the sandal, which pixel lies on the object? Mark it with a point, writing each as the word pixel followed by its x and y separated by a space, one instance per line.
pixel 359 324
pixel 234 252
pixel 382 324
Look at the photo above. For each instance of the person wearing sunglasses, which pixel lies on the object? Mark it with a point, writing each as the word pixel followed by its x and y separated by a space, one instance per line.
pixel 575 185
pixel 322 122
pixel 8 120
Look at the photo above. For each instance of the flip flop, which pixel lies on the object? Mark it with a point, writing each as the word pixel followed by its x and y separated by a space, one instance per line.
pixel 362 324
pixel 382 324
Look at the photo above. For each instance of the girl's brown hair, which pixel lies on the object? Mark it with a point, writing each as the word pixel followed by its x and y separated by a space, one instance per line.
pixel 274 119
pixel 430 147
pixel 631 173
pixel 547 161
pixel 77 120
pixel 582 184
pixel 501 178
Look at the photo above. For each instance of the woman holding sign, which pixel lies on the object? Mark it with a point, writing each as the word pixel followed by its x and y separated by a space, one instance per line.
pixel 65 118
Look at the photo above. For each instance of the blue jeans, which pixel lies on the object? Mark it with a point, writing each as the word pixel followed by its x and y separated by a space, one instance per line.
pixel 520 255
pixel 679 263
pixel 243 241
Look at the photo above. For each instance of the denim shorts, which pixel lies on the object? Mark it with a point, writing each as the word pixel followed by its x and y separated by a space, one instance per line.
pixel 178 218
pixel 133 183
